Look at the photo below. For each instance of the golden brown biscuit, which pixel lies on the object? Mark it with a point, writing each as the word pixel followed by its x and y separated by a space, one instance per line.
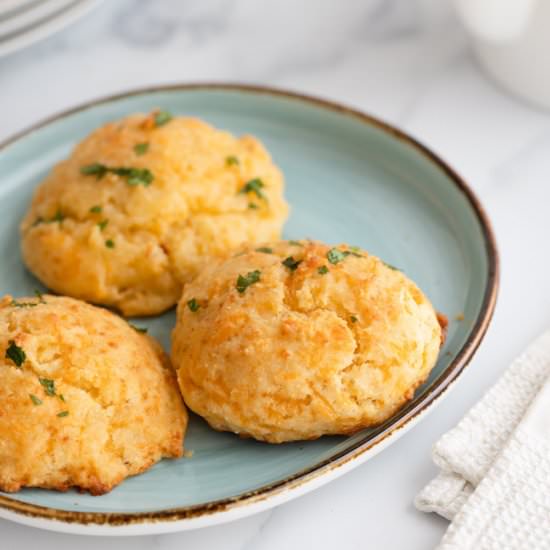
pixel 296 340
pixel 85 401
pixel 140 204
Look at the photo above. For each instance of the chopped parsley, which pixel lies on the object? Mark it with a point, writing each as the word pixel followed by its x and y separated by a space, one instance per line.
pixel 40 297
pixel 15 353
pixel 232 160
pixel 291 263
pixel 265 250
pixel 141 148
pixel 62 414
pixel 253 206
pixel 96 169
pixel 133 176
pixel 193 305
pixel 97 209
pixel 391 266
pixel 295 243
pixel 143 330
pixel 62 397
pixel 48 385
pixel 323 270
pixel 354 319
pixel 244 282
pixel 254 186
pixel 109 243
pixel 57 217
pixel 335 256
pixel 35 400
pixel 102 224
pixel 162 117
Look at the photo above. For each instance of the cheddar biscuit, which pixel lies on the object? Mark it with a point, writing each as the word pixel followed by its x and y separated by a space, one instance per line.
pixel 85 401
pixel 294 340
pixel 142 203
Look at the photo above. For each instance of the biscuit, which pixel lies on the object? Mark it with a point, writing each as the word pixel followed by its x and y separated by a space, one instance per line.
pixel 142 203
pixel 295 340
pixel 85 401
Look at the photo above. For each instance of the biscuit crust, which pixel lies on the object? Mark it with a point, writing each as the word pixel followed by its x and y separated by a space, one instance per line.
pixel 132 244
pixel 85 400
pixel 322 343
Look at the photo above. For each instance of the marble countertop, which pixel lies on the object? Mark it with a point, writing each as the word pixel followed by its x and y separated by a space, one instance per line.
pixel 406 61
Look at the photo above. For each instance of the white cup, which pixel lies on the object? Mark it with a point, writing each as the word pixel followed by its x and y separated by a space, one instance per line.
pixel 512 41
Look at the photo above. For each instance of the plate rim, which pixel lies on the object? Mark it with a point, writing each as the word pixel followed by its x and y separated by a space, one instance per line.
pixel 408 415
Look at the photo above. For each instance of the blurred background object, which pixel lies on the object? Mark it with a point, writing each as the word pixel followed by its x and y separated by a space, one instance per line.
pixel 512 41
pixel 24 22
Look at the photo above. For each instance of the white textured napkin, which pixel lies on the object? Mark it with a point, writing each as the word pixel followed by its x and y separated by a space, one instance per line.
pixel 494 483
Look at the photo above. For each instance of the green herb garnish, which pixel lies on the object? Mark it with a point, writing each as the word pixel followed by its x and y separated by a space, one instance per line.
pixel 40 296
pixel 62 414
pixel 354 319
pixel 49 386
pixel 15 353
pixel 102 224
pixel 109 243
pixel 133 176
pixel 96 169
pixel 193 305
pixel 244 282
pixel 35 399
pixel 391 266
pixel 57 217
pixel 295 243
pixel 253 206
pixel 291 263
pixel 97 209
pixel 254 186
pixel 335 256
pixel 62 397
pixel 162 117
pixel 143 330
pixel 141 148
pixel 232 160
pixel 323 270
pixel 265 250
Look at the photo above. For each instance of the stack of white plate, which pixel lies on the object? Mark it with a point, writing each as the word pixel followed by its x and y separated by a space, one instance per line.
pixel 23 22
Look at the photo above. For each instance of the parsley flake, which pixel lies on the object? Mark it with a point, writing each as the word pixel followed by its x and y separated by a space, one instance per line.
pixel 162 117
pixel 354 319
pixel 253 206
pixel 254 186
pixel 15 353
pixel 62 414
pixel 143 330
pixel 193 305
pixel 141 148
pixel 265 250
pixel 232 160
pixel 335 256
pixel 49 386
pixel 392 267
pixel 35 400
pixel 62 397
pixel 291 263
pixel 97 209
pixel 102 224
pixel 40 296
pixel 295 243
pixel 109 243
pixel 244 282
pixel 133 176
pixel 323 270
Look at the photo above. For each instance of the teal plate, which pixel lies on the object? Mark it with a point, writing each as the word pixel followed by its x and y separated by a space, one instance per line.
pixel 350 178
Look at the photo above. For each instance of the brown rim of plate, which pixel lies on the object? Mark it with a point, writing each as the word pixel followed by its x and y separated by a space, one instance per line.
pixel 398 421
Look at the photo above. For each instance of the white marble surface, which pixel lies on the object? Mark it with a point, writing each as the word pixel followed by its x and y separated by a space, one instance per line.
pixel 406 61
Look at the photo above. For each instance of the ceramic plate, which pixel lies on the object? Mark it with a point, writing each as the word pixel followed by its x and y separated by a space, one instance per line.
pixel 350 178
